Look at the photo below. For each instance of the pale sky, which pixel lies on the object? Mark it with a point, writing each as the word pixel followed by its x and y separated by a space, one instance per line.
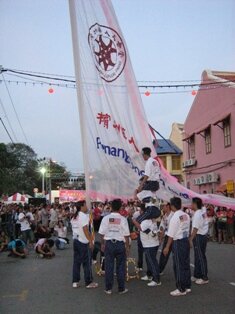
pixel 168 40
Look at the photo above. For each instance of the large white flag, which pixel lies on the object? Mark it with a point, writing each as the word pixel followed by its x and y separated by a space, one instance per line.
pixel 113 122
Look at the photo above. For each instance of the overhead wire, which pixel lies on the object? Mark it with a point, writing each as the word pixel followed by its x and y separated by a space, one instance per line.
pixel 6 130
pixel 13 106
pixel 9 123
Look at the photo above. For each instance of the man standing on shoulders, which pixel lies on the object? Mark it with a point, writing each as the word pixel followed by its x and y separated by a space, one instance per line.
pixel 168 213
pixel 198 240
pixel 115 234
pixel 178 237
pixel 151 177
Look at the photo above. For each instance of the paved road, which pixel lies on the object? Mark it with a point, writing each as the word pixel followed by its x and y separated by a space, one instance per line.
pixel 44 286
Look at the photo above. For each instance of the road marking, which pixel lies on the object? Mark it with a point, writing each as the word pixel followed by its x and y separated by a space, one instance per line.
pixel 192 265
pixel 232 283
pixel 22 296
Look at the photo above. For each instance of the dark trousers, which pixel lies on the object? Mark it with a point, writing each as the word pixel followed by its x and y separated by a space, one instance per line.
pixel 151 212
pixel 152 263
pixel 140 252
pixel 140 257
pixel 200 261
pixel 164 259
pixel 82 256
pixel 114 251
pixel 96 250
pixel 181 264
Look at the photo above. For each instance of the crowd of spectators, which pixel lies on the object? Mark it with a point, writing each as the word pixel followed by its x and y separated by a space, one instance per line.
pixel 27 227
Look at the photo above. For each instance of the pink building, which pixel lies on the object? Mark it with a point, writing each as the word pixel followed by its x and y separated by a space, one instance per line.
pixel 209 135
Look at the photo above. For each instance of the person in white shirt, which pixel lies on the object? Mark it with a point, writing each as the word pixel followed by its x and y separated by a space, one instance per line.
pixel 178 237
pixel 53 218
pixel 148 185
pixel 115 233
pixel 198 240
pixel 43 247
pixel 150 242
pixel 62 239
pixel 82 246
pixel 151 173
pixel 164 225
pixel 25 228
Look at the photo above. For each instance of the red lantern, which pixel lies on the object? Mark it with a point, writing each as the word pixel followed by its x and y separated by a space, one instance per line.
pixel 147 93
pixel 194 93
pixel 50 90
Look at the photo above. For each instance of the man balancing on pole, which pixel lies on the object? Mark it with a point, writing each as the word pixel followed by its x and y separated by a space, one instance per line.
pixel 148 187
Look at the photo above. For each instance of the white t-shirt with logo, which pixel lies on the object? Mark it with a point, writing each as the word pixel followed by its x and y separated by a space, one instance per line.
pixel 78 223
pixel 152 169
pixel 150 239
pixel 114 227
pixel 165 222
pixel 24 224
pixel 200 221
pixel 179 225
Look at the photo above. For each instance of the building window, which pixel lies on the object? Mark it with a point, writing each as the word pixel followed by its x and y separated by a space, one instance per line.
pixel 176 163
pixel 208 140
pixel 163 159
pixel 191 147
pixel 227 132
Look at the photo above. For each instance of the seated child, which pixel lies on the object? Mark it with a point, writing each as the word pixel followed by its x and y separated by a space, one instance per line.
pixel 44 248
pixel 17 248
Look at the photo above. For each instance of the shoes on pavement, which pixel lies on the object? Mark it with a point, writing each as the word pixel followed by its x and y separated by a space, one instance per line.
pixel 76 285
pixel 177 293
pixel 109 292
pixel 201 282
pixel 193 279
pixel 146 278
pixel 188 291
pixel 92 285
pixel 154 284
pixel 123 291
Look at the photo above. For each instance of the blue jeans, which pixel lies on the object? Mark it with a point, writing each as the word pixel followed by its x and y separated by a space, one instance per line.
pixel 200 261
pixel 164 259
pixel 82 256
pixel 181 264
pixel 114 251
pixel 152 263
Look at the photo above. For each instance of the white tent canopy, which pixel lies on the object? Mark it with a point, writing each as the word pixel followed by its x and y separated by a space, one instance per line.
pixel 17 198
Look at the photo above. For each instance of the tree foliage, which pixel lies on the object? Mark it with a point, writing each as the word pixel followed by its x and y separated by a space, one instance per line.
pixel 19 170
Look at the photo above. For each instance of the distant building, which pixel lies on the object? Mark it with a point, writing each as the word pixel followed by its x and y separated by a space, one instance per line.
pixel 176 136
pixel 209 137
pixel 171 156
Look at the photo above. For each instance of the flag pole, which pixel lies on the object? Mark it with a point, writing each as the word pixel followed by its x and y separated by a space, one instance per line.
pixel 80 98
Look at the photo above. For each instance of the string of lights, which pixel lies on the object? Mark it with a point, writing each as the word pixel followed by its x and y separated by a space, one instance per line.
pixel 56 78
pixel 142 81
pixel 73 86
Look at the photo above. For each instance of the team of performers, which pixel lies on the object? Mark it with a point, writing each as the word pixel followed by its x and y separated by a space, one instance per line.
pixel 175 234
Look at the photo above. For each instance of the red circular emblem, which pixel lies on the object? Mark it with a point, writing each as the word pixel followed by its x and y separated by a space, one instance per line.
pixel 109 53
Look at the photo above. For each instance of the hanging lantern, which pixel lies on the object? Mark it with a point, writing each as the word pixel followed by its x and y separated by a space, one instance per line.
pixel 194 93
pixel 147 93
pixel 50 90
